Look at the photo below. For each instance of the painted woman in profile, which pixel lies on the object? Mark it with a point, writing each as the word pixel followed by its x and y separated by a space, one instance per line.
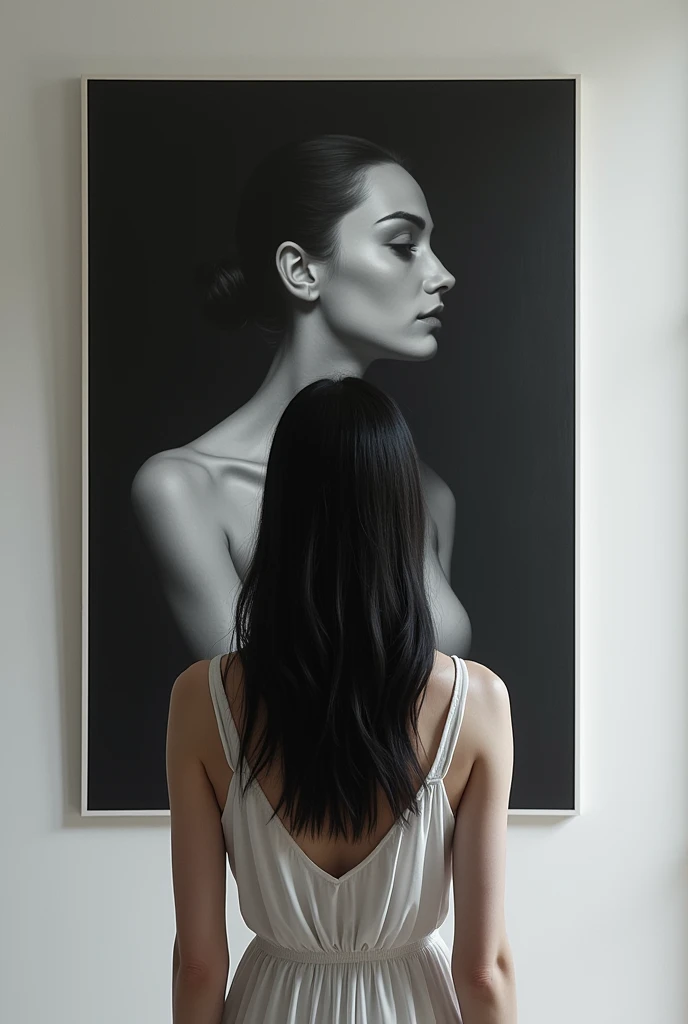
pixel 333 254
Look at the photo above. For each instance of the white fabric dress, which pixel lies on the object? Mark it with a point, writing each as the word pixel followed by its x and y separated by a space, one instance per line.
pixel 359 949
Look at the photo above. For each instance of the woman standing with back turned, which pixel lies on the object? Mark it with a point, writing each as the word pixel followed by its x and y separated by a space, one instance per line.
pixel 347 767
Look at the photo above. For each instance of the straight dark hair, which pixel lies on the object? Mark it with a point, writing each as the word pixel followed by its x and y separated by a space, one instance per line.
pixel 333 626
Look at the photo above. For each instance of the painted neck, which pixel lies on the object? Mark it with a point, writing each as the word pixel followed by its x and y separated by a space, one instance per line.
pixel 307 352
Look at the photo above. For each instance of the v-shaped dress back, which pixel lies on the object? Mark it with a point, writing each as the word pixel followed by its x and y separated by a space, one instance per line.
pixel 362 948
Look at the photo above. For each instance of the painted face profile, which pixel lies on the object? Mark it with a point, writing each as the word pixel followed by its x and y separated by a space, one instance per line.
pixel 383 290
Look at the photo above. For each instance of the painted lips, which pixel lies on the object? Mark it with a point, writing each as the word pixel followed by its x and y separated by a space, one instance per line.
pixel 431 318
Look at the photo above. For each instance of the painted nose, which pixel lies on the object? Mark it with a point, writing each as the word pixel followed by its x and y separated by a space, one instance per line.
pixel 441 280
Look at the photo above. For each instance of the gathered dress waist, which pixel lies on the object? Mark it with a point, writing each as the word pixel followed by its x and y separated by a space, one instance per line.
pixel 340 956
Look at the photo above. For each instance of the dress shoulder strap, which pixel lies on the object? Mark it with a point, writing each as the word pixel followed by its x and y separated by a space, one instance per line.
pixel 452 725
pixel 225 722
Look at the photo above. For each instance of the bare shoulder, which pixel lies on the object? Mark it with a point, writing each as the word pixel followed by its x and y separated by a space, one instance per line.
pixel 489 688
pixel 167 477
pixel 191 719
pixel 487 714
pixel 189 691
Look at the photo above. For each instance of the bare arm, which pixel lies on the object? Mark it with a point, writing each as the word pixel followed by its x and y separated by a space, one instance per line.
pixel 173 501
pixel 200 962
pixel 482 964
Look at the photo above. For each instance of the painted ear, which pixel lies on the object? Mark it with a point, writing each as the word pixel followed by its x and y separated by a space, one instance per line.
pixel 298 272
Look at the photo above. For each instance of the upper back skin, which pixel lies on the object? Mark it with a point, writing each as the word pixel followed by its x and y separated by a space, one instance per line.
pixel 337 856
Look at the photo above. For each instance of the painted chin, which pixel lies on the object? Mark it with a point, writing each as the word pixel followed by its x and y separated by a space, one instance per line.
pixel 424 343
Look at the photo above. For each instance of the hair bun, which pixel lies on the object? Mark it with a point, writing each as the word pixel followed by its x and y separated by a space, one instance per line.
pixel 225 293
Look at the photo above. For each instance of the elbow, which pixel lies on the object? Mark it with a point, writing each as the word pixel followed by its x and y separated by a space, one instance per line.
pixel 201 973
pixel 485 977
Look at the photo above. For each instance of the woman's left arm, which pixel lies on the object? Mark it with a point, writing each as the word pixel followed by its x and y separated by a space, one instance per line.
pixel 442 508
pixel 200 963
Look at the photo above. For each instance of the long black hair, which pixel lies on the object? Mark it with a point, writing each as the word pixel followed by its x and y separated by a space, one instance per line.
pixel 333 626
pixel 297 193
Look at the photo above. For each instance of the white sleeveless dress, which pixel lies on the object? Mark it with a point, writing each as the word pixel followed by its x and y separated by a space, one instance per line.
pixel 359 949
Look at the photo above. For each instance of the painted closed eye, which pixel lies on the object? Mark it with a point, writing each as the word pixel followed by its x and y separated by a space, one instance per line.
pixel 404 250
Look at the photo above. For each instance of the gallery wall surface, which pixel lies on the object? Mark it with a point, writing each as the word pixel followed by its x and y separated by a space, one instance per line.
pixel 597 904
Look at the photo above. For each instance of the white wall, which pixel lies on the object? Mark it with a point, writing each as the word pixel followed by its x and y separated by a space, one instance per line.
pixel 597 907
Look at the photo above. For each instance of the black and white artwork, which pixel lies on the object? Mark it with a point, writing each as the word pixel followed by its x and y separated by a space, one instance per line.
pixel 447 277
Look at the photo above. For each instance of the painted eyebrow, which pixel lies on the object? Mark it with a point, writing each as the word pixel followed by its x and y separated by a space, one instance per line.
pixel 412 218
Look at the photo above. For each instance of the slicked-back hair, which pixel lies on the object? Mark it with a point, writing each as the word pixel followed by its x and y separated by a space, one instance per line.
pixel 299 193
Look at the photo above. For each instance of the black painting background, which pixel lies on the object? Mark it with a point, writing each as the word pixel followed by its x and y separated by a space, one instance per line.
pixel 492 413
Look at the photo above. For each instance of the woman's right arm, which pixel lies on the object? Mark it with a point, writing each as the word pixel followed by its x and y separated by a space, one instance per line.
pixel 482 964
pixel 174 500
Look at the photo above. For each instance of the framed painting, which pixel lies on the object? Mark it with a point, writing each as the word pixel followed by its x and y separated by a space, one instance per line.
pixel 490 168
